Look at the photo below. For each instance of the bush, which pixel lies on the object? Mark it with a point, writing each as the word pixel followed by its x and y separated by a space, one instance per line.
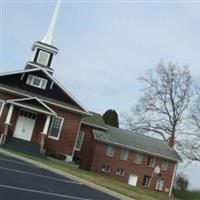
pixel 182 182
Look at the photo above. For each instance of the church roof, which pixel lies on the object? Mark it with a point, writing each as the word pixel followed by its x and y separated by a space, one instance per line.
pixel 45 99
pixel 77 105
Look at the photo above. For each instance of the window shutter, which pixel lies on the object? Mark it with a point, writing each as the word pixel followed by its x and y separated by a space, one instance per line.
pixel 30 78
pixel 44 83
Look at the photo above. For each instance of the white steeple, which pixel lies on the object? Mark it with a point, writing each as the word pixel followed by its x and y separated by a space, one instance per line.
pixel 48 38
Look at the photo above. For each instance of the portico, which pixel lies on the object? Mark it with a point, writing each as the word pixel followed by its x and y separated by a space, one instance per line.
pixel 21 120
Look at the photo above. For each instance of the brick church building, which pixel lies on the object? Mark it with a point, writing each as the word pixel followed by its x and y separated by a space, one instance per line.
pixel 37 109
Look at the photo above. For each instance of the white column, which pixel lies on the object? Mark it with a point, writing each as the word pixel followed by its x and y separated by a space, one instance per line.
pixel 9 115
pixel 46 126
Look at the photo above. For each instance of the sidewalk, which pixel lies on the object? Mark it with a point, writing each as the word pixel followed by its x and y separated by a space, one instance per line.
pixel 67 175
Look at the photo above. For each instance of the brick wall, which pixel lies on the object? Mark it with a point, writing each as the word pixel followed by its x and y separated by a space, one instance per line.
pixel 69 130
pixel 142 169
pixel 93 155
pixel 68 134
pixel 85 155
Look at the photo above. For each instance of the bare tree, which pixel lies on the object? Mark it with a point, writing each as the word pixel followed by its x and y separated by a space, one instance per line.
pixel 190 146
pixel 166 94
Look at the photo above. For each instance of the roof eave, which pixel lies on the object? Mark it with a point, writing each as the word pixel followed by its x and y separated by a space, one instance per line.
pixel 52 103
pixel 94 125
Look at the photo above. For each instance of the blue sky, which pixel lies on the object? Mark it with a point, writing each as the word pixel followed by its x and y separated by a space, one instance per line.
pixel 105 46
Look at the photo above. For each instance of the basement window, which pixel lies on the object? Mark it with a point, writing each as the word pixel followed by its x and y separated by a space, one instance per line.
pixel 36 81
pixel 55 128
pixel 79 140
pixel 146 181
pixel 120 172
pixel 105 168
pixel 1 106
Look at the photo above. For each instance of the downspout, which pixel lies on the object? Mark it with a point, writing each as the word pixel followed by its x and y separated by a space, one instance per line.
pixel 173 177
pixel 76 139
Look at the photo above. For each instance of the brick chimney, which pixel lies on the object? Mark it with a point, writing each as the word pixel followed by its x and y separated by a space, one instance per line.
pixel 171 142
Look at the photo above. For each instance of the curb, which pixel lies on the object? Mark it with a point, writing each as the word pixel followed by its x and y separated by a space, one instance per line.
pixel 67 175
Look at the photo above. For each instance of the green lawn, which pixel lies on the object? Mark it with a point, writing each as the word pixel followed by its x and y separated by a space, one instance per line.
pixel 107 182
pixel 187 195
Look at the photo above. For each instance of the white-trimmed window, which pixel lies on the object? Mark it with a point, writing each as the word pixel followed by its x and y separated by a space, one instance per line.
pixel 43 57
pixel 110 151
pixel 79 140
pixel 151 161
pixel 137 158
pixel 1 106
pixel 55 128
pixel 36 81
pixel 120 172
pixel 124 154
pixel 146 181
pixel 164 165
pixel 105 168
pixel 160 184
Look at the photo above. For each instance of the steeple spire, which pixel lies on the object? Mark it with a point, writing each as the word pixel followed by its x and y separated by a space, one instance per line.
pixel 48 38
pixel 44 51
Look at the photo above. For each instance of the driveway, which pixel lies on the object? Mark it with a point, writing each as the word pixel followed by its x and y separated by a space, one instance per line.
pixel 23 181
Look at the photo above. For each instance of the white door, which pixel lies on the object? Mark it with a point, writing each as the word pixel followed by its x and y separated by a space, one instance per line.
pixel 25 125
pixel 132 179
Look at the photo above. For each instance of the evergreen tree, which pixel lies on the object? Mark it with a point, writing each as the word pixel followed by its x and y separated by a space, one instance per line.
pixel 110 117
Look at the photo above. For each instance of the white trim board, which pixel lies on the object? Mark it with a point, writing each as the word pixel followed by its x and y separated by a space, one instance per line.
pixel 60 128
pixel 2 107
pixel 31 108
pixel 33 98
pixel 39 67
pixel 52 103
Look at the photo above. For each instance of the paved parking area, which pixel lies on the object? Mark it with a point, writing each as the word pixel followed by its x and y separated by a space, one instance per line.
pixel 23 181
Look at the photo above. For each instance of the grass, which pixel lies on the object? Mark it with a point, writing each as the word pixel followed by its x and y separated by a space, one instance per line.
pixel 107 182
pixel 187 195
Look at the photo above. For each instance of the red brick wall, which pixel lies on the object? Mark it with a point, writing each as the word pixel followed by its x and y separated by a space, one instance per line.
pixel 85 155
pixel 142 169
pixel 93 155
pixel 68 134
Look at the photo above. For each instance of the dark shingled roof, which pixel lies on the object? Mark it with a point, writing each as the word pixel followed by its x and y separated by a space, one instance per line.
pixel 95 120
pixel 138 142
